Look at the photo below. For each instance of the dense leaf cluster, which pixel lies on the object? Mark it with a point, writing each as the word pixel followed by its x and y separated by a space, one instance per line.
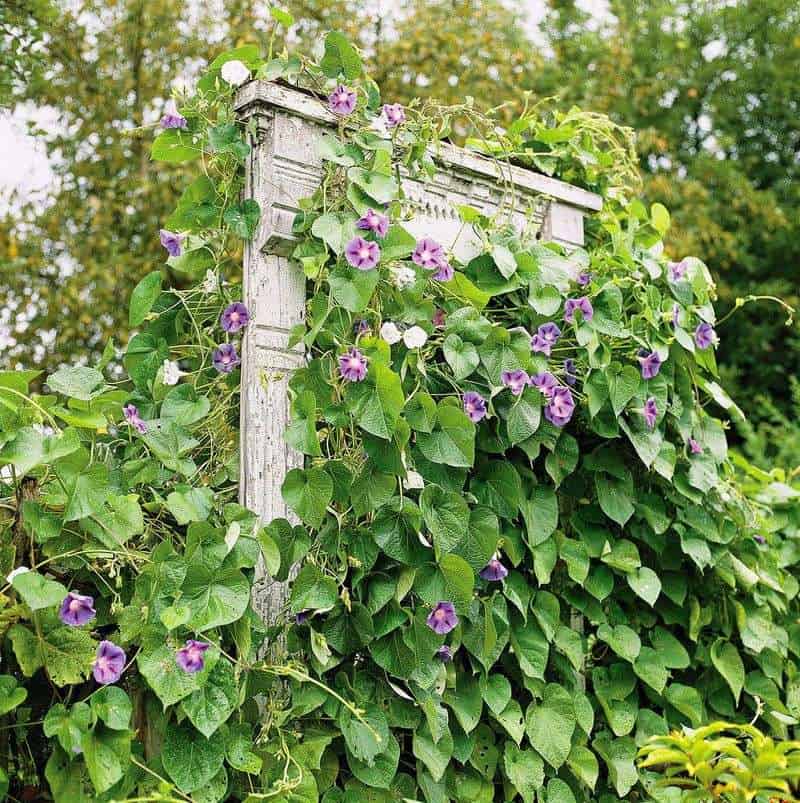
pixel 644 590
pixel 143 520
pixel 639 534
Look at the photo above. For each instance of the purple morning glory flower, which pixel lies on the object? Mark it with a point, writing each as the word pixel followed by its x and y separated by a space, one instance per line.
pixel 704 335
pixel 474 406
pixel 493 570
pixel 361 326
pixel 394 113
pixel 428 254
pixel 131 413
pixel 695 447
pixel 442 619
pixel 650 362
pixel 546 382
pixel 677 270
pixel 171 241
pixel 108 664
pixel 444 654
pixel 225 358
pixel 76 609
pixel 190 657
pixel 582 304
pixel 516 380
pixel 234 317
pixel 571 372
pixel 539 344
pixel 439 317
pixel 759 539
pixel 172 118
pixel 375 222
pixel 302 617
pixel 560 407
pixel 650 412
pixel 445 272
pixel 342 100
pixel 362 254
pixel 545 338
pixel 353 366
pixel 584 278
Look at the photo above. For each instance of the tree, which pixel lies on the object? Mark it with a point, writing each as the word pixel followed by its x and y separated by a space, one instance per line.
pixel 67 265
pixel 23 30
pixel 455 49
pixel 711 88
pixel 109 71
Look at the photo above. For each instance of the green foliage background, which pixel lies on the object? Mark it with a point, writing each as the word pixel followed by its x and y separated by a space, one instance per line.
pixel 685 576
pixel 717 141
pixel 710 88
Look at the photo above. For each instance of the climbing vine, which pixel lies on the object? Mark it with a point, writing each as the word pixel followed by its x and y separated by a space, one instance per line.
pixel 522 550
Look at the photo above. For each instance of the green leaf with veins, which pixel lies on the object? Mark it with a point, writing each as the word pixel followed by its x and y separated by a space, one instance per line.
pixel 376 403
pixel 210 706
pixel 340 57
pixel 452 441
pixel 162 673
pixel 308 493
pixel 29 448
pixel 549 724
pixel 728 663
pixel 215 596
pixel 189 758
pixel 37 591
pixel 67 653
pixel 446 515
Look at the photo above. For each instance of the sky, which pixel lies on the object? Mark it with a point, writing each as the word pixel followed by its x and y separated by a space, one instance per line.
pixel 26 170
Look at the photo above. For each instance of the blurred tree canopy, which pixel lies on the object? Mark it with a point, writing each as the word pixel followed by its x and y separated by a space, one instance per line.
pixel 713 90
pixel 68 263
pixel 22 33
pixel 711 87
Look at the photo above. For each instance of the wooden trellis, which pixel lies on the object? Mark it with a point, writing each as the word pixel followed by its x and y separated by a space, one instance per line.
pixel 284 167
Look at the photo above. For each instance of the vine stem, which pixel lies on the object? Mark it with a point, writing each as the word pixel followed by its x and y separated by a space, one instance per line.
pixel 297 674
pixel 73 554
pixel 33 404
pixel 160 798
pixel 741 302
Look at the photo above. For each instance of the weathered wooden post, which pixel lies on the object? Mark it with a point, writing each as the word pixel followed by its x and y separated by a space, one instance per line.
pixel 283 168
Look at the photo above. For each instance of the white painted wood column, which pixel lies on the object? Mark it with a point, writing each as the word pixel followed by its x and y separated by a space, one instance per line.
pixel 274 292
pixel 284 167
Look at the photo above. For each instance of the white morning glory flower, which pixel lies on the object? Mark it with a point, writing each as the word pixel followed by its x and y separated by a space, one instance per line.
pixel 172 374
pixel 390 333
pixel 403 277
pixel 414 481
pixel 211 282
pixel 235 72
pixel 415 337
pixel 19 570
